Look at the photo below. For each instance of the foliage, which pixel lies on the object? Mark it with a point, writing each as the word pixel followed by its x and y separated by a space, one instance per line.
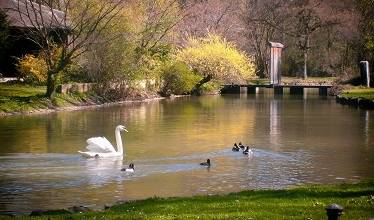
pixel 33 69
pixel 367 24
pixel 135 48
pixel 178 79
pixel 209 88
pixel 366 28
pixel 305 202
pixel 74 72
pixel 214 58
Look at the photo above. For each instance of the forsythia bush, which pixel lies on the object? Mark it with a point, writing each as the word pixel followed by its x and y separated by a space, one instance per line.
pixel 33 69
pixel 217 58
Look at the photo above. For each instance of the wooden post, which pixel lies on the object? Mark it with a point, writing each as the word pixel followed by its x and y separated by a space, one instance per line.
pixel 275 62
pixel 365 74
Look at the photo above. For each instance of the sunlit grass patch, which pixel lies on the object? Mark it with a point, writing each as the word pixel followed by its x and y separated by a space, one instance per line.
pixel 21 90
pixel 25 98
pixel 365 93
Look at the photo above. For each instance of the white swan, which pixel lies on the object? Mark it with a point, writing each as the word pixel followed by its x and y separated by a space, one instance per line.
pixel 101 147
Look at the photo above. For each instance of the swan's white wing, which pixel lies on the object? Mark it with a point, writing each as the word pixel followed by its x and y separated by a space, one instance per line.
pixel 99 145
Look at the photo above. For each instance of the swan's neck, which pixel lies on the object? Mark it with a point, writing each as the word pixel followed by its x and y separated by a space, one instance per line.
pixel 119 141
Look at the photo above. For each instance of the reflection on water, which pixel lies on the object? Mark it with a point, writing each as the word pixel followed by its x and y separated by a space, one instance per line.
pixel 297 140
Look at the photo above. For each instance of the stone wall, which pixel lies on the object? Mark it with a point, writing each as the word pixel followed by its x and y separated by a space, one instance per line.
pixel 75 87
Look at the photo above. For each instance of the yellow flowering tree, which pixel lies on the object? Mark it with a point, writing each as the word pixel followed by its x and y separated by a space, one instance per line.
pixel 216 59
pixel 33 69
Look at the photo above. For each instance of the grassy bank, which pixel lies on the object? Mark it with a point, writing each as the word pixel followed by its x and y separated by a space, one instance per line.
pixel 357 92
pixel 27 98
pixel 19 97
pixel 307 202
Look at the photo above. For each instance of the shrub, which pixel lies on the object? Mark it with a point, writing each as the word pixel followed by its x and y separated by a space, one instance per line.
pixel 216 59
pixel 209 88
pixel 74 72
pixel 33 69
pixel 178 79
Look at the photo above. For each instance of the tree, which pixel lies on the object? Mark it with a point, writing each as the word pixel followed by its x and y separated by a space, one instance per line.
pixel 145 36
pixel 64 29
pixel 307 24
pixel 264 21
pixel 366 27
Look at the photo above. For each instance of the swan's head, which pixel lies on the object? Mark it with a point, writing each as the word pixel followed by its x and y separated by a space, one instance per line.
pixel 122 128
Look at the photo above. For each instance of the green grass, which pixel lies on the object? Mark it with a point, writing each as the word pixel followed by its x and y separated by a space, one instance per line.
pixel 24 98
pixel 364 93
pixel 307 202
pixel 20 97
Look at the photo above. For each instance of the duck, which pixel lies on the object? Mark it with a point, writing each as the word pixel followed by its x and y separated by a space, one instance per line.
pixel 207 163
pixel 130 169
pixel 235 148
pixel 241 146
pixel 248 151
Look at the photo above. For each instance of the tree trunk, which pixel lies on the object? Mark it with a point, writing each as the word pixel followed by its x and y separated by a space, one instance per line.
pixel 51 84
pixel 200 83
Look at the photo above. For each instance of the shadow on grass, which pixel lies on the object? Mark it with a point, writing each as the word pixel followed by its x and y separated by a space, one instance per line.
pixel 262 196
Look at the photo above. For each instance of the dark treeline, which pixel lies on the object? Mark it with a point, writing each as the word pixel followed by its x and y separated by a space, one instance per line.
pixel 329 37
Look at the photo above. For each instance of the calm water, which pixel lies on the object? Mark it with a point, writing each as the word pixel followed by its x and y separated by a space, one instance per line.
pixel 297 140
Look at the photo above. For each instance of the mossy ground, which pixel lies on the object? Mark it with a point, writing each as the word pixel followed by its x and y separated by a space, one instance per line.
pixel 306 202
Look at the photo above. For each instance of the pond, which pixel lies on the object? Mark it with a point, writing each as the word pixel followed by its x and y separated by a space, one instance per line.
pixel 296 140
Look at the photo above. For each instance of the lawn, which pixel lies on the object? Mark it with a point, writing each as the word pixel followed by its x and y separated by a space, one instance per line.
pixel 306 202
pixel 20 97
pixel 25 98
pixel 364 93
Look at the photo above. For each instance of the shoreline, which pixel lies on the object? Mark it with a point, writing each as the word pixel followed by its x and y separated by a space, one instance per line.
pixel 357 102
pixel 358 97
pixel 85 105
pixel 361 103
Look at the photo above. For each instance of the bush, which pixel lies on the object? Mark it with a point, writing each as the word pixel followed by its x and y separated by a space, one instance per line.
pixel 74 72
pixel 33 69
pixel 217 59
pixel 209 88
pixel 178 79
